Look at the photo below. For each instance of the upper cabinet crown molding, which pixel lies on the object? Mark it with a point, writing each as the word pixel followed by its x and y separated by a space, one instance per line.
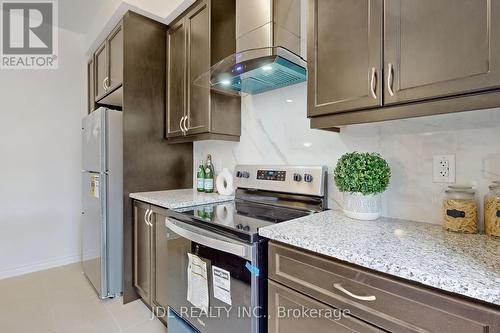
pixel 202 36
pixel 438 56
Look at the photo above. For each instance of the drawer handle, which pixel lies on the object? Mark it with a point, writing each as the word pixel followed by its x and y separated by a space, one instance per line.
pixel 338 286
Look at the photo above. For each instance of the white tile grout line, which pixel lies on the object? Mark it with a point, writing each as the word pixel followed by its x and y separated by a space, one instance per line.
pixel 113 317
pixel 119 299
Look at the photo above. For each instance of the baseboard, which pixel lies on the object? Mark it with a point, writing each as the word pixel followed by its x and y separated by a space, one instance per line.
pixel 39 266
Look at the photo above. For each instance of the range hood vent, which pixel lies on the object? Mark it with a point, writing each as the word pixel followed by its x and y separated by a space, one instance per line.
pixel 267 47
pixel 255 71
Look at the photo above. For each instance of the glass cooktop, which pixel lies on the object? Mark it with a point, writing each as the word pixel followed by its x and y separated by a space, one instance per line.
pixel 241 218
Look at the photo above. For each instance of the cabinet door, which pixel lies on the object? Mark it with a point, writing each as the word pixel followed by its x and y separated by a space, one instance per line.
pixel 142 251
pixel 101 71
pixel 115 56
pixel 344 55
pixel 436 48
pixel 176 78
pixel 286 307
pixel 90 85
pixel 159 267
pixel 198 62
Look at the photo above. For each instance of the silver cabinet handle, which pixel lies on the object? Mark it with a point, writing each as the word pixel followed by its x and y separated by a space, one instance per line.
pixel 338 286
pixel 149 218
pixel 373 85
pixel 390 79
pixel 205 238
pixel 185 126
pixel 146 217
pixel 180 124
pixel 104 84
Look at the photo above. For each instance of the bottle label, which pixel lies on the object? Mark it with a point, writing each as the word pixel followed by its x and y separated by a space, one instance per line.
pixel 201 183
pixel 209 184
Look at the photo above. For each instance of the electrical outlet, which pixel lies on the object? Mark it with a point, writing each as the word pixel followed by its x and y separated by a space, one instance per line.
pixel 443 168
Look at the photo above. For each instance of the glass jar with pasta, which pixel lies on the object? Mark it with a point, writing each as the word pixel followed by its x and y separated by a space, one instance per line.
pixel 492 211
pixel 460 211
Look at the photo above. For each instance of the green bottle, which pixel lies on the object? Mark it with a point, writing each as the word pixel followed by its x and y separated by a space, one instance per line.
pixel 200 183
pixel 209 176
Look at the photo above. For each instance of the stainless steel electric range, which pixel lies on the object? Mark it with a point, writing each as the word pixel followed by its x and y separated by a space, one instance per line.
pixel 217 262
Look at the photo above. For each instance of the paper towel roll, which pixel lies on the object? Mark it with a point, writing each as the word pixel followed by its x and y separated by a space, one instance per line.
pixel 224 182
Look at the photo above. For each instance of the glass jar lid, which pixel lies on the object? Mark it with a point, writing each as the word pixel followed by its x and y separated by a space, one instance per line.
pixel 460 194
pixel 494 187
pixel 460 187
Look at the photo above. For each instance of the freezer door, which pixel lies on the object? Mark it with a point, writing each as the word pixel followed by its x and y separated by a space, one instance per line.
pixel 93 141
pixel 94 230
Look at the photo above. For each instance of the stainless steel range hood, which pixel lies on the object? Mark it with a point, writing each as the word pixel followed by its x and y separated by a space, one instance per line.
pixel 268 47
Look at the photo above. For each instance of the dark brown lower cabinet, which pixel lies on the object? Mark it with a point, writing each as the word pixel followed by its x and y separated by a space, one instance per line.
pixel 159 269
pixel 142 251
pixel 296 313
pixel 150 256
pixel 386 303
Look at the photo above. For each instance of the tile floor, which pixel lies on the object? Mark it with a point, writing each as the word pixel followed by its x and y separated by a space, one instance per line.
pixel 60 300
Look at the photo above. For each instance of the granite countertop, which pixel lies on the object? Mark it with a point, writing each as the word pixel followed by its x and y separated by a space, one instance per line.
pixel 175 199
pixel 468 265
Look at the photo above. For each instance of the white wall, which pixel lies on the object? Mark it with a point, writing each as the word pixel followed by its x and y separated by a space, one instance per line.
pixel 40 161
pixel 276 132
pixel 40 146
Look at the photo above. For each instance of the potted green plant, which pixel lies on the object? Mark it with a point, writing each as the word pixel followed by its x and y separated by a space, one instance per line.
pixel 362 177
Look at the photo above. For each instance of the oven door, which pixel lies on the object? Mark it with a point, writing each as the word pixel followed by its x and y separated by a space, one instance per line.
pixel 233 306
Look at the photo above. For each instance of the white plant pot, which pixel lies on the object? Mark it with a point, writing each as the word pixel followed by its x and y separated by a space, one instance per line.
pixel 362 207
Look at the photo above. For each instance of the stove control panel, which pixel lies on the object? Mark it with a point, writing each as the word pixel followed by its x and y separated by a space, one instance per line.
pixel 309 180
pixel 275 175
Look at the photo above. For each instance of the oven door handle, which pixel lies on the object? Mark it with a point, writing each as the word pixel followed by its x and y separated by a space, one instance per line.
pixel 213 241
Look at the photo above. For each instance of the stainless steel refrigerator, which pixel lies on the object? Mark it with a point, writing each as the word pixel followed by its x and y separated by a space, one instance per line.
pixel 102 201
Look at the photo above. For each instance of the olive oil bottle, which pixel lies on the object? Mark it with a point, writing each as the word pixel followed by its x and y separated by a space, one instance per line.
pixel 200 177
pixel 209 176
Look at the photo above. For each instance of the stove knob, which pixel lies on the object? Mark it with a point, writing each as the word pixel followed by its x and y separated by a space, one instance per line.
pixel 308 178
pixel 297 177
pixel 245 174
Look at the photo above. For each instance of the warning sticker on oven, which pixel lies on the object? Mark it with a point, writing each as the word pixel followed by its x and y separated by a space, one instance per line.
pixel 222 284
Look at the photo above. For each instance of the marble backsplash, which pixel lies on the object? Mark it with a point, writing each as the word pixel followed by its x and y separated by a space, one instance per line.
pixel 275 130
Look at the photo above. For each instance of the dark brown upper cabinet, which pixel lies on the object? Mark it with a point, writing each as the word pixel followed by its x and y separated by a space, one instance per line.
pixel 101 72
pixel 202 36
pixel 440 48
pixel 344 55
pixel 115 58
pixel 90 85
pixel 439 56
pixel 176 79
pixel 109 65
